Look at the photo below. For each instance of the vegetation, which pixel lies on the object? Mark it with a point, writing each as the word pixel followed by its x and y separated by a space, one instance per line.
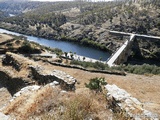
pixel 139 69
pixel 92 43
pixel 96 84
pixel 84 22
pixel 28 48
pixel 58 51
pixel 18 7
pixel 96 65
pixel 135 69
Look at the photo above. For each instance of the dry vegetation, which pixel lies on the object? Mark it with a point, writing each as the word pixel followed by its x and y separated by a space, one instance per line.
pixel 143 87
pixel 51 104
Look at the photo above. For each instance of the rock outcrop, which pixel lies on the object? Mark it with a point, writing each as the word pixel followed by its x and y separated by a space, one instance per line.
pixel 122 102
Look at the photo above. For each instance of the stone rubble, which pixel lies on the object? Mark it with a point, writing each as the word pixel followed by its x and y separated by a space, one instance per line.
pixel 121 101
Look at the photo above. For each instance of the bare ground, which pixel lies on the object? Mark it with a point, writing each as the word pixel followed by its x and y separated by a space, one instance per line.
pixel 144 88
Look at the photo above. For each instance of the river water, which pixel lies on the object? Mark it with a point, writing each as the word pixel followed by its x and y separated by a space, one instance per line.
pixel 66 46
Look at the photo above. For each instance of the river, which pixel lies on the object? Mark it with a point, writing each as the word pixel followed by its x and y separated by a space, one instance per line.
pixel 66 46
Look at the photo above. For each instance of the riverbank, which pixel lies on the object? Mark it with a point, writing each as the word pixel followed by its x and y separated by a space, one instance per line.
pixel 58 37
pixel 67 46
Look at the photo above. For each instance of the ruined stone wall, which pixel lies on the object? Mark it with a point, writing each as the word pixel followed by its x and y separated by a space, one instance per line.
pixel 66 81
pixel 13 84
pixel 123 103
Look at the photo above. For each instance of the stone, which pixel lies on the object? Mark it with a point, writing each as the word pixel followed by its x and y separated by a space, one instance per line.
pixel 121 101
pixel 55 82
pixel 25 90
pixel 3 116
pixel 44 76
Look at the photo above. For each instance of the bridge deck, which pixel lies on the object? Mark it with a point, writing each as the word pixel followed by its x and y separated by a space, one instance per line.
pixel 115 56
pixel 136 35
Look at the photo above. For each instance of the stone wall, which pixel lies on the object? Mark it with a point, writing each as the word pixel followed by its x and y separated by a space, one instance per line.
pixel 66 81
pixel 122 102
pixel 13 84
pixel 10 60
pixel 114 72
pixel 33 74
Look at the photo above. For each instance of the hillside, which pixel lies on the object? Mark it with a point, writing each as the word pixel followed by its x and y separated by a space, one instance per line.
pixel 88 23
pixel 37 86
pixel 17 7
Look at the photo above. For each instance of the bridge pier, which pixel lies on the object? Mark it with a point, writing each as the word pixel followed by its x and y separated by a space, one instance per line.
pixel 123 57
pixel 123 52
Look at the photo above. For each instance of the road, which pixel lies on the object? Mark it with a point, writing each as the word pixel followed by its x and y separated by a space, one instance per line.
pixel 136 35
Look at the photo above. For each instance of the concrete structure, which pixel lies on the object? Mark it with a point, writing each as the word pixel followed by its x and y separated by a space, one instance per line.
pixel 121 55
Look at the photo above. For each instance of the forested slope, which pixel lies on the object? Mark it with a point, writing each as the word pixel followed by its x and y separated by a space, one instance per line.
pixel 89 22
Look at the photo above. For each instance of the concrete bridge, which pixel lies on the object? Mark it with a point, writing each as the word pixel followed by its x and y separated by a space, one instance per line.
pixel 121 55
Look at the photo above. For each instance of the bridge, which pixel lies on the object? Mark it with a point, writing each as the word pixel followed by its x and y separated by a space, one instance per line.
pixel 122 54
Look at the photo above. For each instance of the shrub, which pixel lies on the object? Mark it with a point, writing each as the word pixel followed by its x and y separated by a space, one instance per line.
pixel 100 66
pixel 96 84
pixel 58 51
pixel 27 48
pixel 96 65
pixel 139 69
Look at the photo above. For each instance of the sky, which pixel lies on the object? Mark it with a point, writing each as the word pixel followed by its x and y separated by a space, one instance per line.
pixel 62 0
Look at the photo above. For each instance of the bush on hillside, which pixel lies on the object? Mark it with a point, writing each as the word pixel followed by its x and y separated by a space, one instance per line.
pixel 96 84
pixel 27 48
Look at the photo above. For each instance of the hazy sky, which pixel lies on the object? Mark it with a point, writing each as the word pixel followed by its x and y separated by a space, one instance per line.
pixel 63 0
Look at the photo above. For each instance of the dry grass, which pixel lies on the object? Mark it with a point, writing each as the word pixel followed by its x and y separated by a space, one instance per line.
pixel 50 103
pixel 144 88
pixel 4 37
pixel 32 103
pixel 79 106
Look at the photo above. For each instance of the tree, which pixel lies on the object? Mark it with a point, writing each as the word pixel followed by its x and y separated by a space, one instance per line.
pixel 84 58
pixel 65 53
